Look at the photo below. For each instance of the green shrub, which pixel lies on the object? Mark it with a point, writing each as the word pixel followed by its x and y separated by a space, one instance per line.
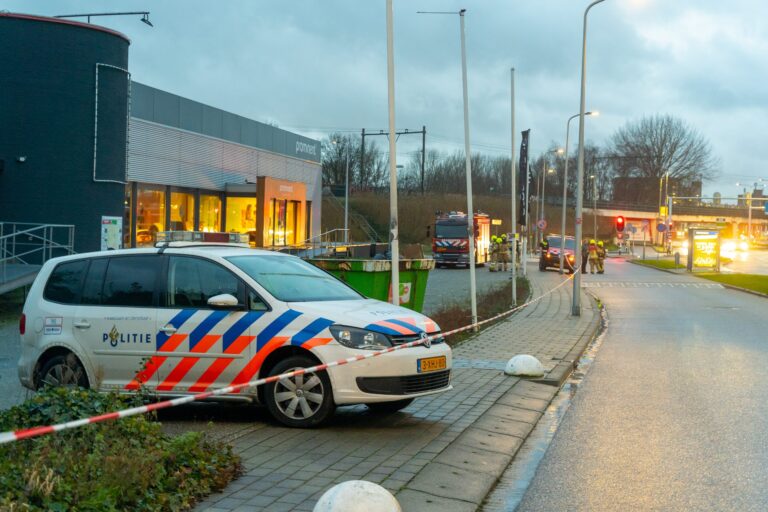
pixel 127 464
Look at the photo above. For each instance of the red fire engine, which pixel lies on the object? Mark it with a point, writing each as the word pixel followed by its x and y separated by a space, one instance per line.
pixel 450 245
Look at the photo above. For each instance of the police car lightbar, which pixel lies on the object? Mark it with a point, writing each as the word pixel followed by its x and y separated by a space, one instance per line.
pixel 202 236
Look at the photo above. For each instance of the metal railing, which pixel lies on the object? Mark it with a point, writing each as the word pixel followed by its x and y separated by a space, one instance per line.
pixel 356 218
pixel 33 244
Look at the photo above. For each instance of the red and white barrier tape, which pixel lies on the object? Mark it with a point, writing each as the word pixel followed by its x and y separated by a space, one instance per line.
pixel 8 437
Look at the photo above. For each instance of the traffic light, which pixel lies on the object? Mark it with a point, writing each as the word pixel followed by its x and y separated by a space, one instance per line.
pixel 619 223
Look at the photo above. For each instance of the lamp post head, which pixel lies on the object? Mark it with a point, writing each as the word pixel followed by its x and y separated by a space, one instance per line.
pixel 145 19
pixel 592 113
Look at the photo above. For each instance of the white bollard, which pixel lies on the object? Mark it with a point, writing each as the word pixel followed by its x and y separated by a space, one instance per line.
pixel 524 365
pixel 357 496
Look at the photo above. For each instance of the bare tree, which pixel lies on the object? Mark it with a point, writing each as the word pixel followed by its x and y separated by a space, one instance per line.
pixel 661 144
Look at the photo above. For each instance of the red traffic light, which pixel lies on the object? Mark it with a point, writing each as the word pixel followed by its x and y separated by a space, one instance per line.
pixel 619 223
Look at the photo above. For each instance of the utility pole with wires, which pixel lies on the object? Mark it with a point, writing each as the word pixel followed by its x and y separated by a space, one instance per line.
pixel 423 133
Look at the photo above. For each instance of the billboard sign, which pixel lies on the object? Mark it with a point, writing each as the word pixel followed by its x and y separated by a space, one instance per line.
pixel 704 250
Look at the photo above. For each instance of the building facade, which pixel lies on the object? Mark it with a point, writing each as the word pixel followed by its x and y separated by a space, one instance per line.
pixel 83 144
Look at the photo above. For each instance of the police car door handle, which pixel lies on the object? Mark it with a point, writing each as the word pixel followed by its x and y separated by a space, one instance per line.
pixel 168 329
pixel 82 324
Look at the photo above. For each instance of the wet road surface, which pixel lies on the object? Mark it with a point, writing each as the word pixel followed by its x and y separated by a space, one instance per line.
pixel 673 413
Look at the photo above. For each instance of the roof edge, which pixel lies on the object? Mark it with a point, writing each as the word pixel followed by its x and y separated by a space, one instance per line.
pixel 34 17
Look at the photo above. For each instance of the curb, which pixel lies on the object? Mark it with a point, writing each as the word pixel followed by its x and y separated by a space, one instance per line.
pixel 725 285
pixel 462 475
pixel 562 370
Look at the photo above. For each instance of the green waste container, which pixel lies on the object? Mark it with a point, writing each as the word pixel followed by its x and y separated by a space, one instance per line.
pixel 372 278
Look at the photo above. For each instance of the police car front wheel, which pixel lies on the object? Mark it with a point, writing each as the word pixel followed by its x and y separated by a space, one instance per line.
pixel 301 401
pixel 63 370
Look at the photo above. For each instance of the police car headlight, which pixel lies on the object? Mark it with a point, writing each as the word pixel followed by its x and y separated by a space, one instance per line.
pixel 354 337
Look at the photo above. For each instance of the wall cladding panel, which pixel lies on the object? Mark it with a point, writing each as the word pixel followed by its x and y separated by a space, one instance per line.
pixel 170 156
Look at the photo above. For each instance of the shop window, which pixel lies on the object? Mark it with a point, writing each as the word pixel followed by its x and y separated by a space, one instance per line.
pixel 291 223
pixel 150 214
pixel 277 228
pixel 182 212
pixel 308 218
pixel 241 216
pixel 127 217
pixel 210 213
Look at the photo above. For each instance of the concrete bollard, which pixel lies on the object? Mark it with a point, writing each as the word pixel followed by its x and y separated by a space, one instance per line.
pixel 524 365
pixel 357 496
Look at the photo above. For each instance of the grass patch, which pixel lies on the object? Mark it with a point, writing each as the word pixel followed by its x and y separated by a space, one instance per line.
pixel 496 300
pixel 665 264
pixel 127 464
pixel 754 282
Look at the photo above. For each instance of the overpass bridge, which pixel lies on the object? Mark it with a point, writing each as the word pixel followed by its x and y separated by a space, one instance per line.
pixel 734 220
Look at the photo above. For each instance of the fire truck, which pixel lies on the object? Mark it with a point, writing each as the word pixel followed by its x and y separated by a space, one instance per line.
pixel 450 244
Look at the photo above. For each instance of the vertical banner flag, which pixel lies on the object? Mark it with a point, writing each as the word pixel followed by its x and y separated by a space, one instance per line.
pixel 522 183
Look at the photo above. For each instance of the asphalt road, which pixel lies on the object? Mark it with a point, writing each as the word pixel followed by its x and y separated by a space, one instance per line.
pixel 673 413
pixel 448 285
pixel 750 262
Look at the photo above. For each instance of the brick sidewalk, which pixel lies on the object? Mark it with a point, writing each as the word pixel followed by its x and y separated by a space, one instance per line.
pixel 444 452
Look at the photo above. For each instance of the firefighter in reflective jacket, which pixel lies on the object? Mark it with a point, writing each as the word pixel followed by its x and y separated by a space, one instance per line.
pixel 504 252
pixel 494 253
pixel 600 257
pixel 593 260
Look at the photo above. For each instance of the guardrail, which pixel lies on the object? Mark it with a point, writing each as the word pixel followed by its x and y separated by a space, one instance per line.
pixel 26 245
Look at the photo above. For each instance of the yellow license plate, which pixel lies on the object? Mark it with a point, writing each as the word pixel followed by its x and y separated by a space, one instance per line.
pixel 430 364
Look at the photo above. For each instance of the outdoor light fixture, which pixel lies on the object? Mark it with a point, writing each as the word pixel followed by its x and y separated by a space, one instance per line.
pixel 21 159
pixel 144 15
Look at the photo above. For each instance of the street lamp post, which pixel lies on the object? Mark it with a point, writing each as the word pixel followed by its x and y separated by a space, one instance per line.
pixel 594 205
pixel 565 187
pixel 540 212
pixel 394 242
pixel 576 306
pixel 346 193
pixel 468 163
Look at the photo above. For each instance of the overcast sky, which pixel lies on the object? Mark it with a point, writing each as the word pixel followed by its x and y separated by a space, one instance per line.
pixel 318 66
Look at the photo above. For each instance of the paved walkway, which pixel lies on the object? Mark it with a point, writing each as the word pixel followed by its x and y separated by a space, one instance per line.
pixel 444 452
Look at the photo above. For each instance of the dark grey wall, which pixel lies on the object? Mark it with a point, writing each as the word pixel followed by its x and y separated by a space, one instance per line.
pixel 47 80
pixel 169 109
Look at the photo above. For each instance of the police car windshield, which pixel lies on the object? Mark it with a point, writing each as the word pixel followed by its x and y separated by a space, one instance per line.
pixel 292 279
pixel 554 241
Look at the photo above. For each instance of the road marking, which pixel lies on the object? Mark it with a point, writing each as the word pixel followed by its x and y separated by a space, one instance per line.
pixel 633 284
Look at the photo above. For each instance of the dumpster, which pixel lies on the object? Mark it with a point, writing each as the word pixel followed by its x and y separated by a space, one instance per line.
pixel 372 277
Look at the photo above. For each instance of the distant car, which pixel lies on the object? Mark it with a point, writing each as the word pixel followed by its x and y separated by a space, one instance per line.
pixel 186 318
pixel 551 256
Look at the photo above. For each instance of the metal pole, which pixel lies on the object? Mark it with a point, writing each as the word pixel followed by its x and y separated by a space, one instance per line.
pixel 565 195
pixel 423 154
pixel 669 223
pixel 514 194
pixel 749 221
pixel 543 192
pixel 538 210
pixel 393 231
pixel 526 197
pixel 594 206
pixel 470 209
pixel 346 201
pixel 576 307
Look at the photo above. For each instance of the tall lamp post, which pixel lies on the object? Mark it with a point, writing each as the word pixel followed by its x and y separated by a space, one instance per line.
pixel 565 187
pixel 468 163
pixel 576 306
pixel 394 241
pixel 594 205
pixel 540 213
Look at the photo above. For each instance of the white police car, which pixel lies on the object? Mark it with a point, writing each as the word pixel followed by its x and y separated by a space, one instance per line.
pixel 186 318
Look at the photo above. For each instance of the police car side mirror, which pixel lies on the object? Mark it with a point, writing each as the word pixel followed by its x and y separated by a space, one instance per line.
pixel 224 301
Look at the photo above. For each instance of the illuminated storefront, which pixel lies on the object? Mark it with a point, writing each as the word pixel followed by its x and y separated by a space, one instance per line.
pixel 195 168
pixel 153 161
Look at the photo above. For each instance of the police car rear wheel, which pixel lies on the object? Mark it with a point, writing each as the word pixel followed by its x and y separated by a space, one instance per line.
pixel 301 401
pixel 62 370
